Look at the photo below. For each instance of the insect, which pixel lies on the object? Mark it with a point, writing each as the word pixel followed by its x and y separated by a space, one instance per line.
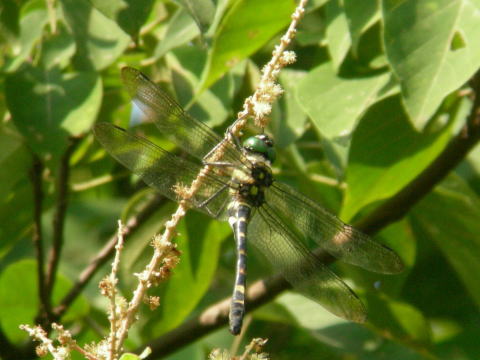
pixel 272 216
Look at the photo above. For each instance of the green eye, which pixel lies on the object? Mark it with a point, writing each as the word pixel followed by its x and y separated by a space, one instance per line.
pixel 255 144
pixel 261 144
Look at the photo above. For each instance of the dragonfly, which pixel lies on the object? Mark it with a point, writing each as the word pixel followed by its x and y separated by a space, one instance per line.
pixel 262 211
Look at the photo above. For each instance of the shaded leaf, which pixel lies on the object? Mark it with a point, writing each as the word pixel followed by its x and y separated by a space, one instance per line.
pixel 450 216
pixel 386 153
pixel 58 49
pixel 100 41
pixel 59 106
pixel 181 29
pixel 31 30
pixel 130 15
pixel 203 11
pixel 360 16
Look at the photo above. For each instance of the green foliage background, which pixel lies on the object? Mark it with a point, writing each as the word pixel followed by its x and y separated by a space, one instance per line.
pixel 379 90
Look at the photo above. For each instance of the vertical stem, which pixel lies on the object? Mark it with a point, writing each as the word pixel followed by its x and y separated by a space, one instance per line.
pixel 59 217
pixel 37 237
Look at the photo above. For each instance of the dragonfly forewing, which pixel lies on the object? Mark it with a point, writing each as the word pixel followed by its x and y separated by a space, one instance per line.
pixel 163 170
pixel 190 134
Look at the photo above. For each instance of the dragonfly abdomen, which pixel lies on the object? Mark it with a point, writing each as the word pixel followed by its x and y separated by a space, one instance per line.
pixel 239 216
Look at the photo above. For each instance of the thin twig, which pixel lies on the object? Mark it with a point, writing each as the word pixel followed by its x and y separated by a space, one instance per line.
pixel 59 217
pixel 37 239
pixel 114 281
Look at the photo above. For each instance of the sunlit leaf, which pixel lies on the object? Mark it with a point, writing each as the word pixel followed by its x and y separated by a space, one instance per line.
pixel 19 298
pixel 418 41
pixel 335 104
pixel 247 26
pixel 338 34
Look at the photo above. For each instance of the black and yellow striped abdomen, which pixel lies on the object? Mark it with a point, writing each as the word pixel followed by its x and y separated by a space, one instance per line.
pixel 239 216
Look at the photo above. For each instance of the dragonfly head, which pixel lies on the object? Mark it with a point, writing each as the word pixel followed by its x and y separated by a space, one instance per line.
pixel 261 144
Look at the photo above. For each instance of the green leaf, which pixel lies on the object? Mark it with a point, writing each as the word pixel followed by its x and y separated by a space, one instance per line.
pixel 361 15
pixel 338 34
pixel 13 156
pixel 246 27
pixel 335 104
pixel 31 30
pixel 181 29
pixel 211 106
pixel 9 21
pixel 202 11
pixel 420 43
pixel 100 41
pixel 59 106
pixel 450 217
pixel 58 49
pixel 130 15
pixel 288 119
pixel 386 153
pixel 19 298
pixel 400 320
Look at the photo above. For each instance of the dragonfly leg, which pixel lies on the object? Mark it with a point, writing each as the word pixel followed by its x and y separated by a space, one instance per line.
pixel 204 203
pixel 238 219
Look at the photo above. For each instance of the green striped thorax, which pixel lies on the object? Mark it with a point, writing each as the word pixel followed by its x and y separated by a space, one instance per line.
pixel 261 144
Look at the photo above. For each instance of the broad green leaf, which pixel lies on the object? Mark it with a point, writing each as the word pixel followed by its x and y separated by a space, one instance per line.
pixel 211 106
pixel 19 298
pixel 128 14
pixel 335 104
pixel 246 27
pixel 181 29
pixel 338 34
pixel 14 157
pixel 203 11
pixel 58 49
pixel 199 243
pixel 360 15
pixel 59 106
pixel 19 197
pixel 450 216
pixel 9 21
pixel 100 41
pixel 432 47
pixel 386 153
pixel 399 320
pixel 288 119
pixel 31 30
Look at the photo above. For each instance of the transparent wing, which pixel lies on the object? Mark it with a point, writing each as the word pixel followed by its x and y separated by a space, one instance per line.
pixel 308 275
pixel 162 170
pixel 192 135
pixel 331 234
